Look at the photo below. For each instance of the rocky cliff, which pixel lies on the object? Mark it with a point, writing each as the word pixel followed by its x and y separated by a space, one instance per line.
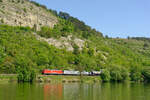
pixel 25 13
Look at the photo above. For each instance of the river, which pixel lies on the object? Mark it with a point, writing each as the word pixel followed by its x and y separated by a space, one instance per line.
pixel 75 91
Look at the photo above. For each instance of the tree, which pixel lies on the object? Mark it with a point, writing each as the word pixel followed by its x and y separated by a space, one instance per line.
pixel 42 59
pixel 116 74
pixel 146 74
pixel 136 74
pixel 45 32
pixel 105 75
pixel 64 15
pixel 91 51
pixel 35 27
pixel 106 36
pixel 76 49
pixel 26 75
pixel 128 37
pixel 146 45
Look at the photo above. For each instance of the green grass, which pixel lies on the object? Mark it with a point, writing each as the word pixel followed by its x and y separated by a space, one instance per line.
pixel 5 78
pixel 68 79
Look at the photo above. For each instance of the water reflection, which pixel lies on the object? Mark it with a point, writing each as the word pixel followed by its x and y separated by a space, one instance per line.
pixel 75 91
pixel 82 91
pixel 53 91
pixel 106 91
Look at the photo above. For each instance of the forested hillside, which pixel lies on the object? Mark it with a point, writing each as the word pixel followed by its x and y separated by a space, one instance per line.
pixel 119 59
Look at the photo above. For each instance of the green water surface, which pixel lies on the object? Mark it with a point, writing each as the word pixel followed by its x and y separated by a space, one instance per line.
pixel 75 91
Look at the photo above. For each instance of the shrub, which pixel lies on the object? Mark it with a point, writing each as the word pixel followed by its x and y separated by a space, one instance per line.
pixel 26 75
pixel 2 20
pixel 119 74
pixel 125 73
pixel 136 74
pixel 22 1
pixel 76 50
pixel 45 32
pixel 105 75
pixel 146 74
pixel 115 73
pixel 18 1
pixel 25 10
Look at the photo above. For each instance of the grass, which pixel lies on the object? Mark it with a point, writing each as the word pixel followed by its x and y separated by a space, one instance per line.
pixel 68 79
pixel 5 78
pixel 53 78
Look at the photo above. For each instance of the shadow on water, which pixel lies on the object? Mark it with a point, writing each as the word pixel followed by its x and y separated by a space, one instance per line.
pixel 75 91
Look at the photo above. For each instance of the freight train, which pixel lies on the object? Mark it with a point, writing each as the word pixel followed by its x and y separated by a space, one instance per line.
pixel 69 72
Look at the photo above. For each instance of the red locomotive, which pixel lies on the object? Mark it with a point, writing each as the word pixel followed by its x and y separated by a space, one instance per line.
pixel 52 72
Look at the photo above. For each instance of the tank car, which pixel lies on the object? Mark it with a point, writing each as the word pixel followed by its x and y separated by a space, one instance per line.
pixel 69 72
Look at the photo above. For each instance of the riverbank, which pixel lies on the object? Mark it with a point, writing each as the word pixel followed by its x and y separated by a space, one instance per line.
pixel 53 78
pixel 67 79
pixel 5 78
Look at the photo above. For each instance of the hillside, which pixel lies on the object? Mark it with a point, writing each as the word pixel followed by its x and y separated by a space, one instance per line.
pixel 66 43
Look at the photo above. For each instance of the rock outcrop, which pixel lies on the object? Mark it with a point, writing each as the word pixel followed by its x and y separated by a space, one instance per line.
pixel 63 42
pixel 25 13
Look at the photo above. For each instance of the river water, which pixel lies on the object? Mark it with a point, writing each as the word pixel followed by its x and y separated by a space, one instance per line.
pixel 75 91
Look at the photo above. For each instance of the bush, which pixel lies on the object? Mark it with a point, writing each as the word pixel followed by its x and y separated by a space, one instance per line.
pixel 116 74
pixel 18 1
pixel 26 75
pixel 63 28
pixel 76 50
pixel 136 74
pixel 146 74
pixel 105 75
pixel 119 74
pixel 25 10
pixel 2 20
pixel 125 73
pixel 46 32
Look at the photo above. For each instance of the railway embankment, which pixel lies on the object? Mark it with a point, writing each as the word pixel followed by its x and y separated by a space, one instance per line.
pixel 67 79
pixel 5 78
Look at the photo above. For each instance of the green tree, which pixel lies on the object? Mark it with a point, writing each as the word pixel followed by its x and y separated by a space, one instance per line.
pixel 136 74
pixel 146 74
pixel 76 49
pixel 105 75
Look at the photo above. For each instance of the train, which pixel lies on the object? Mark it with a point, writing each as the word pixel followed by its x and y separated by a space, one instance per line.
pixel 70 72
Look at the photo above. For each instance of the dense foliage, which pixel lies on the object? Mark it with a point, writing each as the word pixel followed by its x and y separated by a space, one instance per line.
pixel 63 28
pixel 22 53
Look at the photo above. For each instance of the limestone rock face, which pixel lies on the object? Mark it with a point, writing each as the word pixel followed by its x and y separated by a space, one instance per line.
pixel 25 13
pixel 63 42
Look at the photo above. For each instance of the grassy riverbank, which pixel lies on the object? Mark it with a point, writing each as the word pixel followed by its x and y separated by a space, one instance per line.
pixel 53 78
pixel 68 79
pixel 4 78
